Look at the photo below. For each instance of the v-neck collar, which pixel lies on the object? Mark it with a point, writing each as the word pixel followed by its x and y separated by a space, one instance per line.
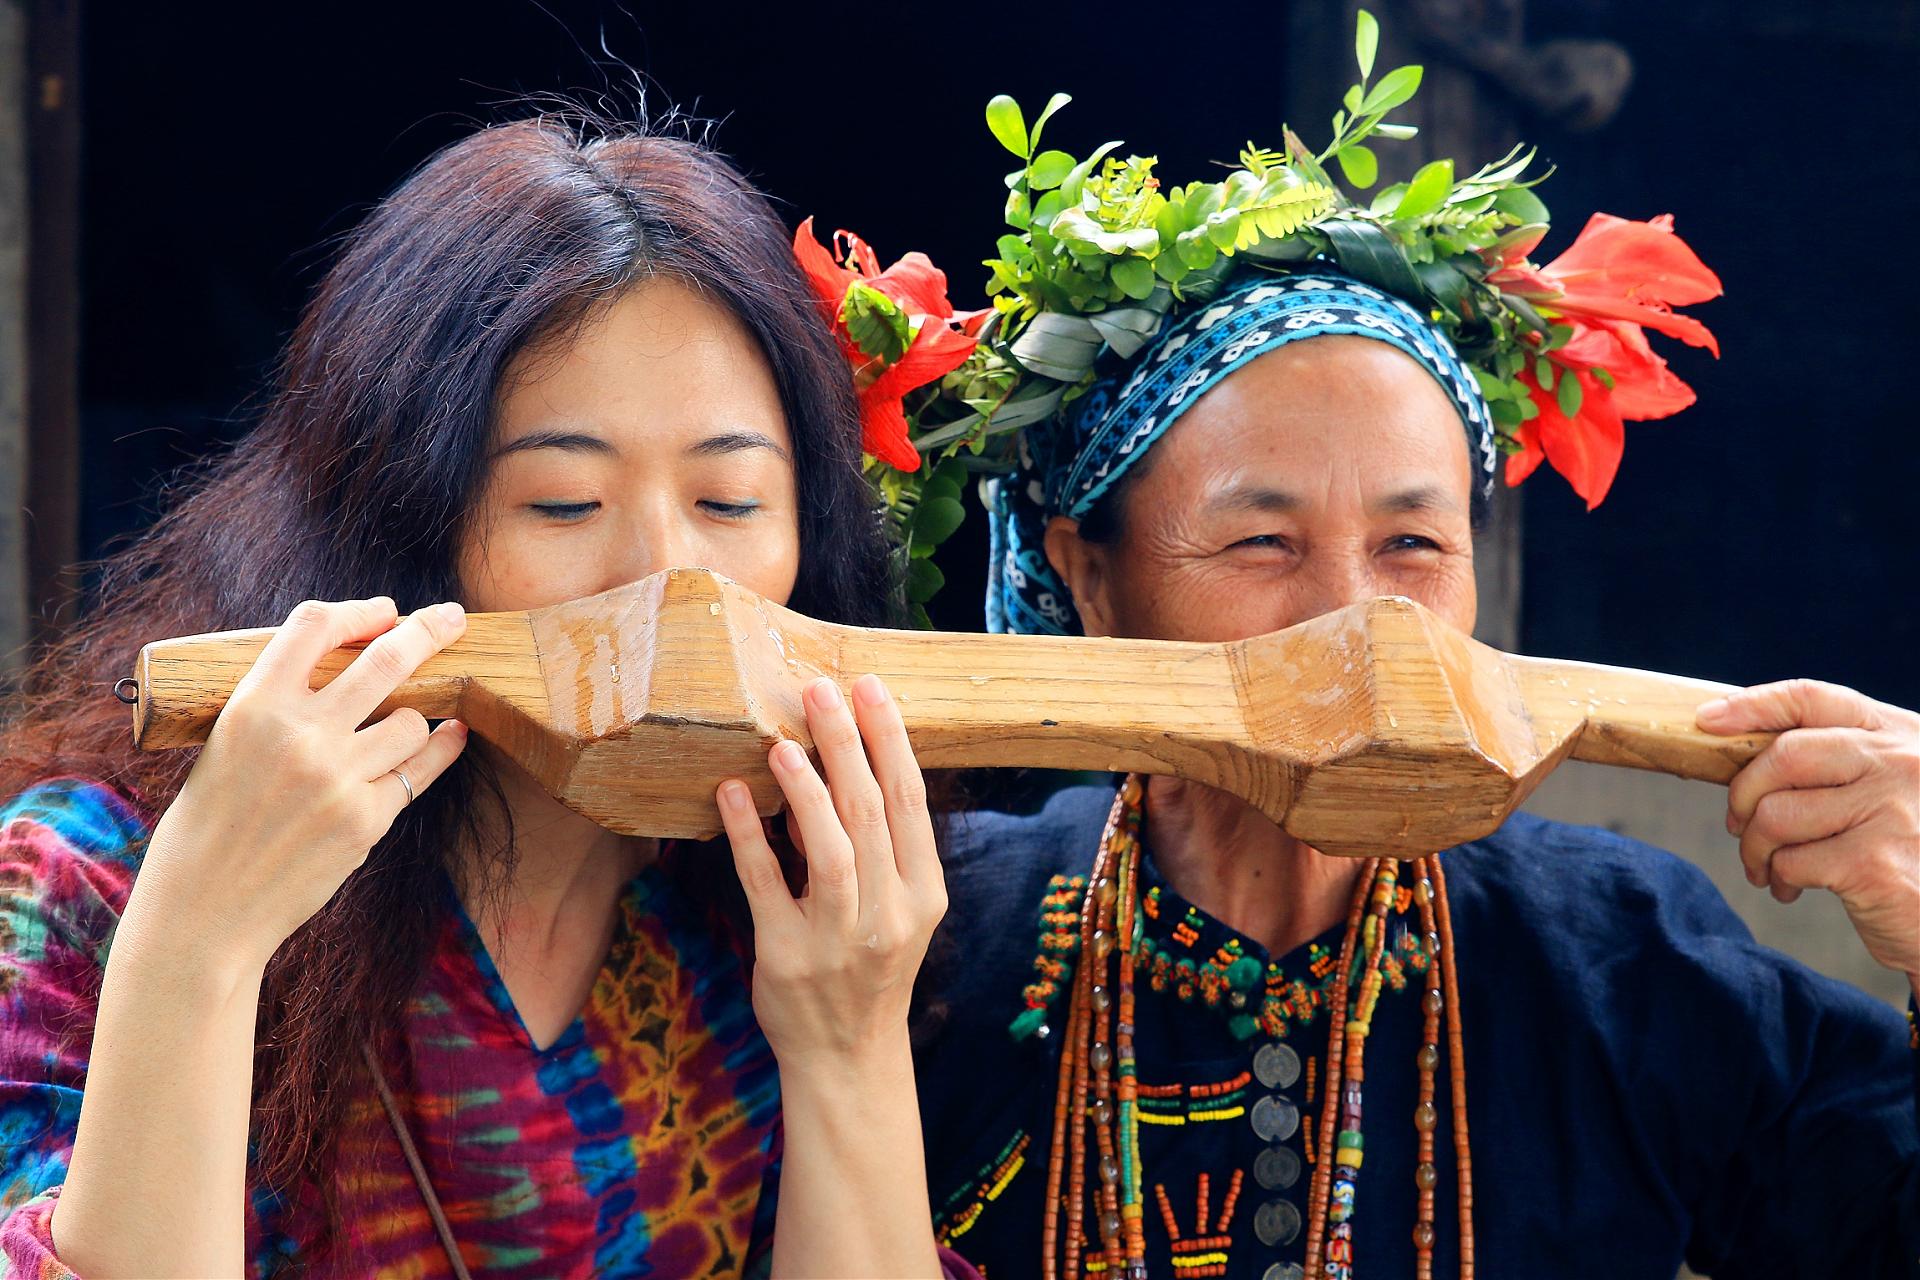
pixel 645 884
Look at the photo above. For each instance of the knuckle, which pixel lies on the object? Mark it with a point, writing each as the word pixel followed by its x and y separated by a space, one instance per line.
pixel 832 873
pixel 410 725
pixel 907 793
pixel 309 614
pixel 385 660
pixel 863 809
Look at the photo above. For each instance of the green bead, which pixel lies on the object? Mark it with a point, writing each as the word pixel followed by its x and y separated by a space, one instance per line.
pixel 1243 973
pixel 1027 1023
pixel 1351 1138
pixel 1243 1026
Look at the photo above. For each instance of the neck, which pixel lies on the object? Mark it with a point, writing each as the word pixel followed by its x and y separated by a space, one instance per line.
pixel 566 874
pixel 1231 861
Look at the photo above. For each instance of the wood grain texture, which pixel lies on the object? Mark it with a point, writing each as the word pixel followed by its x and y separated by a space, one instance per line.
pixel 1376 729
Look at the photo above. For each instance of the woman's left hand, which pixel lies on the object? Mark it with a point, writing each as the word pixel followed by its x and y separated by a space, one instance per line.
pixel 1833 803
pixel 834 967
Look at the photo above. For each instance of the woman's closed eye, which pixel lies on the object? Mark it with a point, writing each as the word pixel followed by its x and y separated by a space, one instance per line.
pixel 729 510
pixel 565 512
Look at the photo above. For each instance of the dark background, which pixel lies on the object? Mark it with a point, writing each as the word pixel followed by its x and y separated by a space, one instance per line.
pixel 1764 533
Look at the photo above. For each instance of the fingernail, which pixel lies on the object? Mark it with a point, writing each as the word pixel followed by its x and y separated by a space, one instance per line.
pixel 452 613
pixel 385 600
pixel 1713 710
pixel 788 755
pixel 824 694
pixel 871 690
pixel 459 728
pixel 734 796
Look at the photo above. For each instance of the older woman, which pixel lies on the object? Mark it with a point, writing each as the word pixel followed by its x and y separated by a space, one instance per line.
pixel 1232 1055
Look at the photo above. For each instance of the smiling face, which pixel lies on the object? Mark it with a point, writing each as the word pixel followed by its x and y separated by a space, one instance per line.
pixel 1321 474
pixel 650 437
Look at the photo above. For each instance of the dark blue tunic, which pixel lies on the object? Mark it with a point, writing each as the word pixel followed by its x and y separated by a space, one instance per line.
pixel 1646 1084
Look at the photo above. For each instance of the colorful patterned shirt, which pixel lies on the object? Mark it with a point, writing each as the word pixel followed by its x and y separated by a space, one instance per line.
pixel 643 1141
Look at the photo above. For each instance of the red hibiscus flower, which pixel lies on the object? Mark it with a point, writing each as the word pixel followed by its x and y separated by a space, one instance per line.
pixel 932 347
pixel 1618 279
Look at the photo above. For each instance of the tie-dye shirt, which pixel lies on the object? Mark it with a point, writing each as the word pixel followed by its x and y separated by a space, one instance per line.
pixel 643 1141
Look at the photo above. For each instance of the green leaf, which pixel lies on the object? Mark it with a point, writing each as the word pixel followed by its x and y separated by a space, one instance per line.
pixel 875 322
pixel 1398 132
pixel 1134 276
pixel 1605 378
pixel 1570 396
pixel 1491 387
pixel 1070 189
pixel 1019 210
pixel 1359 164
pixel 1352 104
pixel 1394 88
pixel 1008 125
pixel 1518 202
pixel 1054 103
pixel 1048 170
pixel 936 518
pixel 1543 372
pixel 924 581
pixel 1047 208
pixel 1366 41
pixel 1428 190
pixel 1506 413
pixel 1368 252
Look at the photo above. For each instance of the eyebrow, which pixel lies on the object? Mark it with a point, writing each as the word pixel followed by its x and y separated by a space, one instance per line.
pixel 1421 498
pixel 586 442
pixel 1248 497
pixel 570 441
pixel 734 442
pixel 1280 502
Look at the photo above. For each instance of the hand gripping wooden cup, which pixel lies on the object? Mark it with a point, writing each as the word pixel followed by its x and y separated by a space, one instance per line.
pixel 1375 729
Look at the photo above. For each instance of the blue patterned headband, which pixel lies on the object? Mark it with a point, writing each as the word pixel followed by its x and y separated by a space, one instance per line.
pixel 1068 462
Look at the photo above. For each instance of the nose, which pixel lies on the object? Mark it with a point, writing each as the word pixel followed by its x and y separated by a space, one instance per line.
pixel 656 537
pixel 1335 578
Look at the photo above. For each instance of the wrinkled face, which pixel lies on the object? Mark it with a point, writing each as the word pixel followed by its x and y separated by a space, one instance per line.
pixel 651 437
pixel 1321 474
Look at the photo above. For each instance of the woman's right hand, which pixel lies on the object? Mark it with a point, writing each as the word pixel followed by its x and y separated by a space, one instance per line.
pixel 291 793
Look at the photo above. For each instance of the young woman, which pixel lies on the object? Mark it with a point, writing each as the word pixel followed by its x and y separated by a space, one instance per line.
pixel 347 996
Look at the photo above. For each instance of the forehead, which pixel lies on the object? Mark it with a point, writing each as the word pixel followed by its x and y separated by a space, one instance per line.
pixel 1318 413
pixel 660 360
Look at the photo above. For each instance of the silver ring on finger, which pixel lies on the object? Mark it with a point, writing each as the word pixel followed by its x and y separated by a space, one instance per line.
pixel 405 782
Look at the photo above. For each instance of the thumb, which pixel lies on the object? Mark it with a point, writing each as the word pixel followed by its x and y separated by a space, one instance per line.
pixel 1789 704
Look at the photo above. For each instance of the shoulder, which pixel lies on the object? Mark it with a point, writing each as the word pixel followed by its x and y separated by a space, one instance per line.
pixel 1631 927
pixel 69 851
pixel 998 863
pixel 80 815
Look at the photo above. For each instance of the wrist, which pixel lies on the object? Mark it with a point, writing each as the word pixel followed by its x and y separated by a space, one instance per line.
pixel 179 946
pixel 875 1068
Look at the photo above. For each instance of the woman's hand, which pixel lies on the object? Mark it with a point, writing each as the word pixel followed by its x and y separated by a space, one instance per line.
pixel 290 792
pixel 834 967
pixel 1833 803
pixel 833 976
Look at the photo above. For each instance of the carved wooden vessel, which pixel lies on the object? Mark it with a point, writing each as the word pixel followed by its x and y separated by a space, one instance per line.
pixel 1376 729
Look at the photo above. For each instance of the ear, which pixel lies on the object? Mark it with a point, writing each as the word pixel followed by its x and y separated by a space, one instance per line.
pixel 1084 567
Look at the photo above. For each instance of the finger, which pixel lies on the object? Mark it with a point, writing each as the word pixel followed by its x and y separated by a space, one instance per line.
pixel 754 861
pixel 396 654
pixel 424 767
pixel 904 788
pixel 833 886
pixel 856 795
pixel 1818 864
pixel 314 629
pixel 1797 758
pixel 393 740
pixel 1790 704
pixel 1793 817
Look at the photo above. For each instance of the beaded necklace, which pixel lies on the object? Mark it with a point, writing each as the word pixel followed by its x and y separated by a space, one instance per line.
pixel 1099 1090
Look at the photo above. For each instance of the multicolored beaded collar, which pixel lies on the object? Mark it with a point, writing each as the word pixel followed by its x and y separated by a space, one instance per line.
pixel 1182 951
pixel 1098 1106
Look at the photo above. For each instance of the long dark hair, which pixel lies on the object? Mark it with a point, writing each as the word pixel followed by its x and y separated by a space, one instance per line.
pixel 358 479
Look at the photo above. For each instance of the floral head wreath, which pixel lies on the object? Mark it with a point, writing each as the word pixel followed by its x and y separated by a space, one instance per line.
pixel 1099 252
